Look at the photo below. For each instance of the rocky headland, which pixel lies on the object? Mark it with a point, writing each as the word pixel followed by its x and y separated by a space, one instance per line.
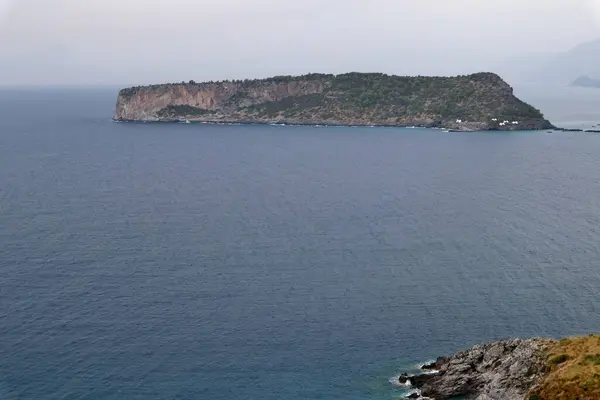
pixel 481 101
pixel 533 369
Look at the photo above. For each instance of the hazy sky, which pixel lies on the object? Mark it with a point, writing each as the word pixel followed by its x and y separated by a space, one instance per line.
pixel 145 41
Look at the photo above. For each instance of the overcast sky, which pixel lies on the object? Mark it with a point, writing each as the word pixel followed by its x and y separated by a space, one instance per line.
pixel 150 41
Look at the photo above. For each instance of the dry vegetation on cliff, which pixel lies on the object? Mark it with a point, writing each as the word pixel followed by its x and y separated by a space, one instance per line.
pixel 572 371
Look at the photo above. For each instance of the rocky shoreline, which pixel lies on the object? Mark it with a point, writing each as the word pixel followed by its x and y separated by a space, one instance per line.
pixel 514 369
pixel 500 370
pixel 329 125
pixel 466 127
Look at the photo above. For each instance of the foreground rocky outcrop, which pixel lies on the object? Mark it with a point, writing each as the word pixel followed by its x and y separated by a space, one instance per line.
pixel 499 370
pixel 481 101
pixel 533 369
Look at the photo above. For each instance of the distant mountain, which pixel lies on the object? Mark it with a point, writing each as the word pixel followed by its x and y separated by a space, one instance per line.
pixel 557 69
pixel 583 59
pixel 586 81
pixel 524 67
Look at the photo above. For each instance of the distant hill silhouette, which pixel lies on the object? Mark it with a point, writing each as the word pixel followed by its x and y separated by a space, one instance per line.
pixel 586 81
pixel 558 68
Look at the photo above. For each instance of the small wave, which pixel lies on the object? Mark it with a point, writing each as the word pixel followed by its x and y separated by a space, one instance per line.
pixel 47 155
pixel 428 362
pixel 427 371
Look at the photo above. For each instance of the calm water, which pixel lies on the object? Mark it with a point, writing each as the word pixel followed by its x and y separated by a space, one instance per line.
pixel 256 262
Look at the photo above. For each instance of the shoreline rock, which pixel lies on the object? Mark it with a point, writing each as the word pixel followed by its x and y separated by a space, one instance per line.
pixel 504 370
pixel 403 379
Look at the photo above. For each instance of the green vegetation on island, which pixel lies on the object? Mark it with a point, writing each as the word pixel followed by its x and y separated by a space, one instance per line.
pixel 172 111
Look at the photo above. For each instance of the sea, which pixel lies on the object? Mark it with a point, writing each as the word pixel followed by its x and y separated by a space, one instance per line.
pixel 219 262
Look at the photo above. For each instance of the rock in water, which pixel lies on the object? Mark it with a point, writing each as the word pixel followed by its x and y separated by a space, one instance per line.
pixel 403 378
pixel 481 101
pixel 430 366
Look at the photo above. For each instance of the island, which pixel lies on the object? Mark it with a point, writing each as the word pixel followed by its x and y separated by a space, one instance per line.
pixel 514 369
pixel 480 101
pixel 586 81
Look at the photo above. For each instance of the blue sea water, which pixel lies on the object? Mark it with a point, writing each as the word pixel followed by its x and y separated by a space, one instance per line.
pixel 142 261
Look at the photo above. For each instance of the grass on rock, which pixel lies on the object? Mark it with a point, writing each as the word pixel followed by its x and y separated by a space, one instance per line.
pixel 573 367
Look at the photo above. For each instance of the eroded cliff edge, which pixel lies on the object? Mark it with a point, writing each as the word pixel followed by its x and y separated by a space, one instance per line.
pixel 533 369
pixel 481 101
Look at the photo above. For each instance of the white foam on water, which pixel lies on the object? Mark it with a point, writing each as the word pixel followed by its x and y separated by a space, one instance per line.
pixel 428 362
pixel 414 391
pixel 395 381
pixel 427 371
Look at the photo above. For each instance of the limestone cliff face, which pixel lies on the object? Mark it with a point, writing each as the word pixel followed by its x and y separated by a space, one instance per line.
pixel 473 102
pixel 145 103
